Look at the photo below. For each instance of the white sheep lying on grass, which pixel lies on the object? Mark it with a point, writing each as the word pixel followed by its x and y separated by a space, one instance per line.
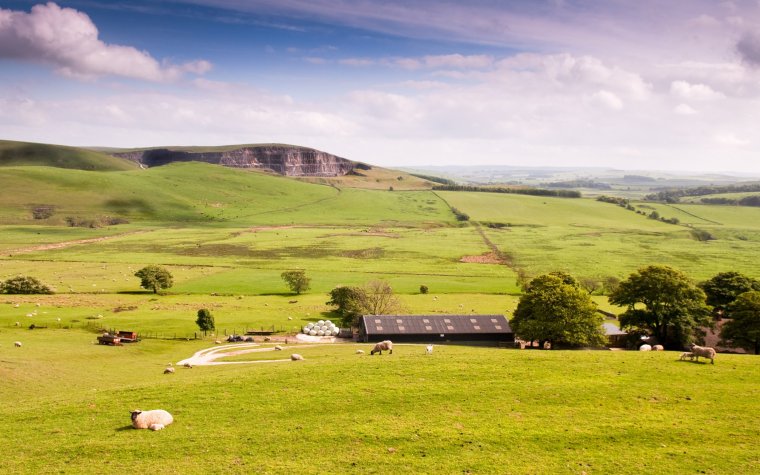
pixel 296 357
pixel 645 347
pixel 17 344
pixel 704 352
pixel 658 348
pixel 169 370
pixel 429 350
pixel 383 345
pixel 156 419
pixel 359 352
pixel 277 348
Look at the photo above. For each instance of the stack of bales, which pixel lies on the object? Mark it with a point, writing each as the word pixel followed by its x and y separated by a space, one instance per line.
pixel 321 328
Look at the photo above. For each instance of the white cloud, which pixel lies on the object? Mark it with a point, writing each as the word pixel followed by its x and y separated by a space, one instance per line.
pixel 731 139
pixel 68 39
pixel 607 99
pixel 684 109
pixel 699 92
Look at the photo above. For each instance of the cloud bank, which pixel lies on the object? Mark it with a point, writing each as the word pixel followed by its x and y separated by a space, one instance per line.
pixel 68 39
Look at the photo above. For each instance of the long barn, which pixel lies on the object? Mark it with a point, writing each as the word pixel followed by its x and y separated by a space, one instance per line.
pixel 435 328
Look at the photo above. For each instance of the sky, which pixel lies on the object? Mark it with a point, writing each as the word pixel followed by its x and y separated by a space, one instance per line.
pixel 628 84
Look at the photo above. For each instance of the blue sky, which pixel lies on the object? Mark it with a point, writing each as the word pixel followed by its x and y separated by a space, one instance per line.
pixel 628 84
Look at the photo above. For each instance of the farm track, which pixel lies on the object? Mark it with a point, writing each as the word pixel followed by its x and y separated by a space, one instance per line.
pixel 65 244
pixel 207 357
pixel 693 215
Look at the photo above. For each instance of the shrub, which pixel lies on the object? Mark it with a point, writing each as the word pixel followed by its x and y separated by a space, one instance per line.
pixel 24 285
pixel 423 289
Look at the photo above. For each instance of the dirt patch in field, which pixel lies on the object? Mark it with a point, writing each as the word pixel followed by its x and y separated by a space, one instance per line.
pixel 488 258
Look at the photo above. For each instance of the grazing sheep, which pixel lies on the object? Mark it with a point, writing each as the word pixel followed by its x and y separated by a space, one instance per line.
pixel 266 338
pixel 383 345
pixel 17 344
pixel 187 365
pixel 704 352
pixel 296 357
pixel 156 419
pixel 359 352
pixel 645 347
pixel 277 348
pixel 658 348
pixel 429 350
pixel 687 354
pixel 169 370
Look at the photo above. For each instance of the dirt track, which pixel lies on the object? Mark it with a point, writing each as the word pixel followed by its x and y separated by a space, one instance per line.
pixel 61 245
pixel 207 356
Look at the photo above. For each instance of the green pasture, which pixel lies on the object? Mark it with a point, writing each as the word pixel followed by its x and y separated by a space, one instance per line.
pixel 66 404
pixel 594 239
pixel 37 154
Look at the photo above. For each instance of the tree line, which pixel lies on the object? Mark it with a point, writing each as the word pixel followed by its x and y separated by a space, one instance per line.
pixel 674 195
pixel 516 191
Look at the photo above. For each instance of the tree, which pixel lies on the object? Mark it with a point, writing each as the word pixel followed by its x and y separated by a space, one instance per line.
pixel 23 284
pixel 296 280
pixel 377 298
pixel 724 287
pixel 662 301
pixel 205 320
pixel 556 309
pixel 743 330
pixel 590 284
pixel 154 278
pixel 347 300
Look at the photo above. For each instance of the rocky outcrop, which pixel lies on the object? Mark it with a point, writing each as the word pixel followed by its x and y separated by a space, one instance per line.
pixel 281 159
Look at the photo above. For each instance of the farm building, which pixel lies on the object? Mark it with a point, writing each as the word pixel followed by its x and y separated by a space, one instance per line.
pixel 615 336
pixel 432 328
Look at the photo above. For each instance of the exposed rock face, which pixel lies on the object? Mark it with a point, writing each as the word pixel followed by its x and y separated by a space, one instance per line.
pixel 285 160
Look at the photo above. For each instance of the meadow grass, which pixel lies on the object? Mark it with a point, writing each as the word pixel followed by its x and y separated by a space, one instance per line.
pixel 461 410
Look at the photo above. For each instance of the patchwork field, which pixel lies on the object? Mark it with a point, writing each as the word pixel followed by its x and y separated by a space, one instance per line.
pixel 226 235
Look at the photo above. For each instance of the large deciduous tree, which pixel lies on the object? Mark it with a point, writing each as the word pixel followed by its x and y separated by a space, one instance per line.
pixel 296 280
pixel 348 300
pixel 662 301
pixel 556 309
pixel 743 330
pixel 154 278
pixel 724 287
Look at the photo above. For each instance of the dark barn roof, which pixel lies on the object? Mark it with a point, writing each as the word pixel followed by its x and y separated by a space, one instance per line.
pixel 435 327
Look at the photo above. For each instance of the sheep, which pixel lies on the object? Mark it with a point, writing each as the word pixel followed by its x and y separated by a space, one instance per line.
pixel 658 348
pixel 17 344
pixel 359 352
pixel 687 354
pixel 266 338
pixel 429 350
pixel 156 419
pixel 645 347
pixel 383 345
pixel 18 324
pixel 704 352
pixel 218 342
pixel 169 370
pixel 277 348
pixel 188 365
pixel 296 357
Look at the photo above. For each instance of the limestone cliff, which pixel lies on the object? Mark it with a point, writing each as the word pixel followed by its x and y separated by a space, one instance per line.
pixel 282 159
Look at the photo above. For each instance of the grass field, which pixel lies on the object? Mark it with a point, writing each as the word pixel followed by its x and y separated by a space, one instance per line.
pixel 226 235
pixel 461 410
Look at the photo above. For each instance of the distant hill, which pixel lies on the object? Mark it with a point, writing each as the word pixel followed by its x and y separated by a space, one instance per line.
pixel 15 154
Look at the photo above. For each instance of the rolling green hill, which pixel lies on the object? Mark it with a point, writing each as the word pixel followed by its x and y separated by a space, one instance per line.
pixel 59 156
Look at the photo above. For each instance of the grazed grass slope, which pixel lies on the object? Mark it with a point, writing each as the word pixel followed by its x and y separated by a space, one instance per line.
pixel 59 156
pixel 594 239
pixel 476 410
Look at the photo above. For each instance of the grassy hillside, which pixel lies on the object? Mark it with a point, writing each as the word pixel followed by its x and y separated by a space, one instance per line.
pixel 461 410
pixel 203 193
pixel 594 239
pixel 14 154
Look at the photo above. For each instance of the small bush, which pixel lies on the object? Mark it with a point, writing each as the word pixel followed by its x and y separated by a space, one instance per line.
pixel 24 285
pixel 423 289
pixel 43 211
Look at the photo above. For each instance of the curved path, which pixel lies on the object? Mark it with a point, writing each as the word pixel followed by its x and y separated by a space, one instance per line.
pixel 208 356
